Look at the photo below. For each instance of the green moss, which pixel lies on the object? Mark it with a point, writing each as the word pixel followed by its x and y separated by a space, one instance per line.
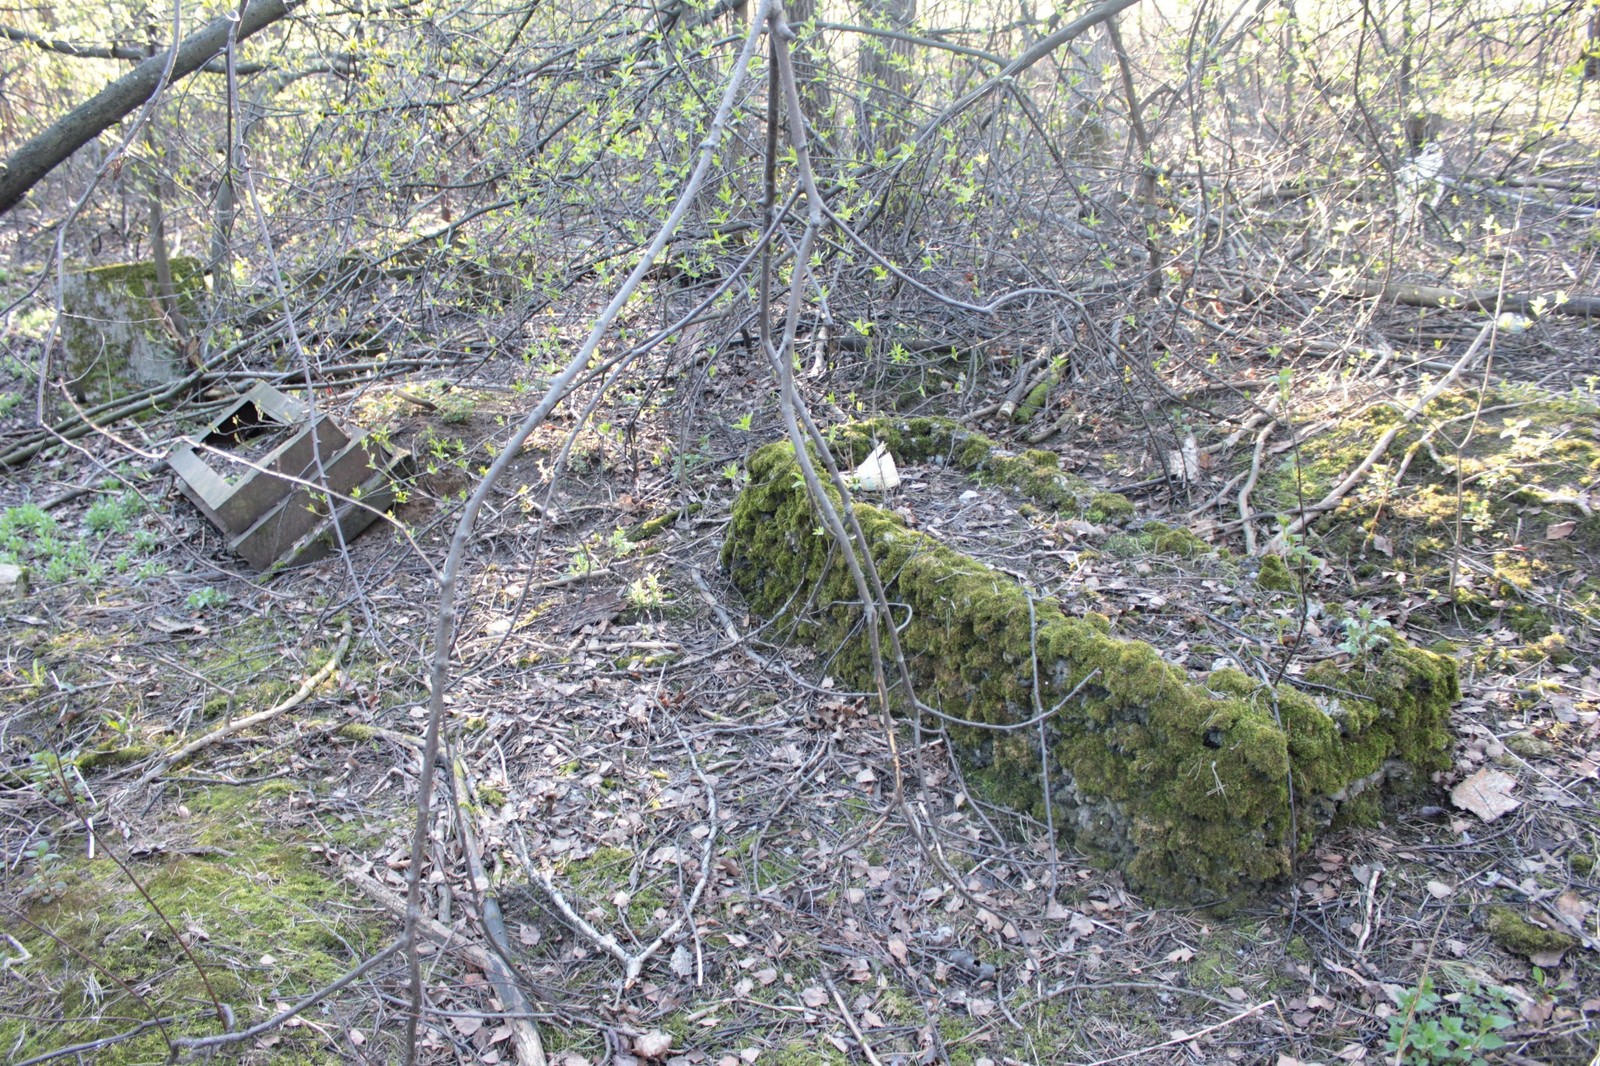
pixel 597 877
pixel 953 1033
pixel 1183 787
pixel 1179 542
pixel 491 797
pixel 579 1039
pixel 1275 575
pixel 1518 476
pixel 114 756
pixel 1516 934
pixel 357 731
pixel 1529 623
pixel 1551 648
pixel 1035 474
pixel 1109 507
pixel 1032 403
pixel 1581 863
pixel 263 921
pixel 808 1053
pixel 1126 545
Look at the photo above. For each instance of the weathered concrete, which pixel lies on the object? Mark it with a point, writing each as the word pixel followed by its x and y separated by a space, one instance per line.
pixel 1184 785
pixel 113 329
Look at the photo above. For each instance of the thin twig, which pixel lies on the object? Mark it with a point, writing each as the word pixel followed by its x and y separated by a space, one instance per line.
pixel 1187 1037
pixel 445 624
pixel 850 1020
pixel 251 720
pixel 193 1044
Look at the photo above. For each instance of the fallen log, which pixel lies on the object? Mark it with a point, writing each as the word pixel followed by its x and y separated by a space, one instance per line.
pixel 1491 300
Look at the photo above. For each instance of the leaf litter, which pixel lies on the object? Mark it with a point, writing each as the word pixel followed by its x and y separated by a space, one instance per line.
pixel 597 736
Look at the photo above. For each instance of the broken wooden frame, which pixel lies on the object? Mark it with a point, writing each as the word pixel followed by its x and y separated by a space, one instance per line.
pixel 284 486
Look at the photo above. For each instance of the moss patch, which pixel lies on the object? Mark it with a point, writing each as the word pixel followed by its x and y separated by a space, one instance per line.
pixel 1035 474
pixel 1519 936
pixel 1499 476
pixel 1184 787
pixel 263 921
pixel 1275 575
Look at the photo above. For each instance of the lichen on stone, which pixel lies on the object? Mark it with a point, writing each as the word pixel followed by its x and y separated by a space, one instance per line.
pixel 1183 786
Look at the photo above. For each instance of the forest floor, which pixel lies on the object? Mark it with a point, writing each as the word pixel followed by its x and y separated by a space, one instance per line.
pixel 619 722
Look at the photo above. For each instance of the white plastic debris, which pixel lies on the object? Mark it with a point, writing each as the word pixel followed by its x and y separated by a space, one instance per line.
pixel 1185 463
pixel 1420 182
pixel 878 473
pixel 1423 170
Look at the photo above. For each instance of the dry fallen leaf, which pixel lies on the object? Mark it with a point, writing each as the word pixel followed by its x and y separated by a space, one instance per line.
pixel 1180 955
pixel 1571 906
pixel 1487 794
pixel 653 1045
pixel 1560 530
pixel 814 997
pixel 1440 890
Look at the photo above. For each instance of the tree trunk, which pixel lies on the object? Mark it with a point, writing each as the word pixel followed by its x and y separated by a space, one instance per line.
pixel 29 164
pixel 814 95
pixel 884 106
pixel 1591 47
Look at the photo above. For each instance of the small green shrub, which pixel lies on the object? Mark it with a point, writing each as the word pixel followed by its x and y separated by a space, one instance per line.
pixel 22 526
pixel 205 599
pixel 1364 635
pixel 646 593
pixel 1433 1028
pixel 110 513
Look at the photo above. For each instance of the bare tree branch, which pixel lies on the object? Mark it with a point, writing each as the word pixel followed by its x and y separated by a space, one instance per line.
pixel 111 51
pixel 28 165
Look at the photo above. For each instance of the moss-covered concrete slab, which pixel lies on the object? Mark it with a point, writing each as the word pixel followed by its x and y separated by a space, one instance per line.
pixel 1184 786
pixel 113 330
